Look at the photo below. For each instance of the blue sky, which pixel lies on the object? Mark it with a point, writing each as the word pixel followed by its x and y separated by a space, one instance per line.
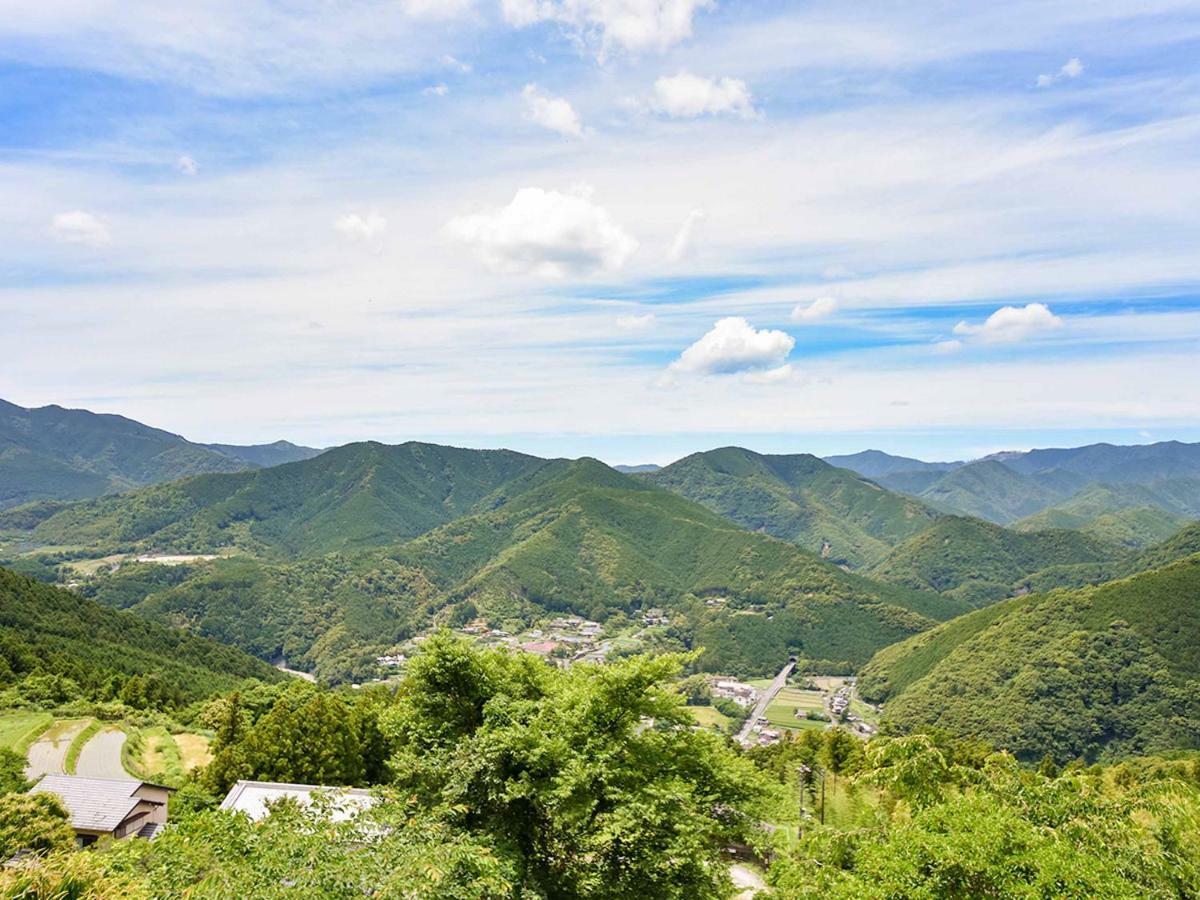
pixel 623 228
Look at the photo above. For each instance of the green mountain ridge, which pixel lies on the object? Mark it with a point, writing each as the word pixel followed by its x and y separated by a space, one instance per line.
pixel 799 498
pixel 980 562
pixel 52 453
pixel 556 536
pixel 1100 671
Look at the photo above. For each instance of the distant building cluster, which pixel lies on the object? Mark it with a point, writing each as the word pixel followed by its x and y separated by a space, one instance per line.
pixel 739 692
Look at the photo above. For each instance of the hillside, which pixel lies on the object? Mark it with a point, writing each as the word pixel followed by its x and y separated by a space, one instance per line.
pixel 1108 463
pixel 799 498
pixel 359 495
pixel 53 453
pixel 877 464
pixel 1099 671
pixel 563 536
pixel 979 562
pixel 51 631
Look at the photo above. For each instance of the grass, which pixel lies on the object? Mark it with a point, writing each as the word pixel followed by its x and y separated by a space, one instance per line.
pixel 709 716
pixel 151 754
pixel 782 711
pixel 193 750
pixel 72 759
pixel 20 728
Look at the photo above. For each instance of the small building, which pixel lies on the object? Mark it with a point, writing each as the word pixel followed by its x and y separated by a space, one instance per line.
pixel 254 798
pixel 104 807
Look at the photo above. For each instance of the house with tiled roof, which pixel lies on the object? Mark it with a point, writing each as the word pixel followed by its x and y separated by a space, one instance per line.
pixel 104 807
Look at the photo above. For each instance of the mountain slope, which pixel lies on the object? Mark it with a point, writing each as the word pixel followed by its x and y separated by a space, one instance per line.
pixel 49 630
pixel 875 464
pixel 359 495
pixel 1139 463
pixel 798 498
pixel 53 453
pixel 990 490
pixel 980 562
pixel 266 455
pixel 1107 670
pixel 559 536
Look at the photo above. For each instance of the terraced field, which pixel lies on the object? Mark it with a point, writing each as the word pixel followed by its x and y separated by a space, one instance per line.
pixel 782 711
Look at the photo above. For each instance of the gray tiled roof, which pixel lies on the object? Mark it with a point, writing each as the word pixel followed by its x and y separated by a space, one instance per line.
pixel 95 804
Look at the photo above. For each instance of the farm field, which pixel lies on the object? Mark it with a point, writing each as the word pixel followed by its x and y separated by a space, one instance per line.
pixel 193 750
pixel 782 711
pixel 710 716
pixel 47 755
pixel 19 728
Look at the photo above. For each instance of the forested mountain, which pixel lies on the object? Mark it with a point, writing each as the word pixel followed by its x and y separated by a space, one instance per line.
pixel 801 499
pixel 266 455
pixel 979 562
pixel 1098 671
pixel 49 633
pixel 1113 487
pixel 560 536
pixel 51 453
pixel 358 495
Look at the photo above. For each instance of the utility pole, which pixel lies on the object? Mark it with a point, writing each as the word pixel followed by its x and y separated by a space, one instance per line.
pixel 822 796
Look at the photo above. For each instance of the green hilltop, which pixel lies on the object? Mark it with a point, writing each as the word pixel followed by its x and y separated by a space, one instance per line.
pixel 1100 671
pixel 980 562
pixel 49 632
pixel 799 498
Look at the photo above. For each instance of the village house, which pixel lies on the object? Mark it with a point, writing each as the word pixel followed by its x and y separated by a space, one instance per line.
pixel 740 693
pixel 103 807
pixel 255 798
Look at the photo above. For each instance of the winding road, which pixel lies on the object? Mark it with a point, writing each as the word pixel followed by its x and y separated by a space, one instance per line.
pixel 764 701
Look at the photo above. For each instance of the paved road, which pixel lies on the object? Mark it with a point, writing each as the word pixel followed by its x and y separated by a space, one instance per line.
pixel 48 754
pixel 101 756
pixel 764 701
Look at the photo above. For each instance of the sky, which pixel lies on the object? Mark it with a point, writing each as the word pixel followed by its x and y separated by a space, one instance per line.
pixel 630 229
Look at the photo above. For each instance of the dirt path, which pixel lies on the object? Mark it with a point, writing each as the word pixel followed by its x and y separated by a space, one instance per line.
pixel 764 701
pixel 101 756
pixel 48 754
pixel 747 880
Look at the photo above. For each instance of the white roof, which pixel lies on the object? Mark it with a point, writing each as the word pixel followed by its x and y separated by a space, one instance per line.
pixel 253 798
pixel 95 804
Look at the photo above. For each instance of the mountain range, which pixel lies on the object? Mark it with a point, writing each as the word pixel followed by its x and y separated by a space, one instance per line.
pixel 52 453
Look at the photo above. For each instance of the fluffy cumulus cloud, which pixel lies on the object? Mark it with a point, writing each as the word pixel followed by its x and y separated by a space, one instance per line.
pixel 686 96
pixel 366 227
pixel 80 227
pixel 681 244
pixel 547 233
pixel 821 308
pixel 1072 68
pixel 636 322
pixel 733 345
pixel 186 165
pixel 551 112
pixel 632 25
pixel 1012 324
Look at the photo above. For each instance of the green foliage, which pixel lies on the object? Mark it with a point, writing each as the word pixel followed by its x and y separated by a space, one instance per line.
pixel 12 772
pixel 589 776
pixel 36 823
pixel 1101 671
pixel 979 562
pixel 965 824
pixel 800 499
pixel 56 647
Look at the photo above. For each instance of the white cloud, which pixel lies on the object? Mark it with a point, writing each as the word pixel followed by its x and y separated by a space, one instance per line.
pixel 821 308
pixel 949 346
pixel 186 165
pixel 733 345
pixel 1072 68
pixel 686 96
pixel 1011 324
pixel 356 227
pixel 436 9
pixel 79 227
pixel 436 90
pixel 551 112
pixel 456 63
pixel 681 244
pixel 634 25
pixel 635 323
pixel 548 233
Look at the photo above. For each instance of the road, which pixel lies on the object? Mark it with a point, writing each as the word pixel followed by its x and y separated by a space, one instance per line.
pixel 764 701
pixel 101 756
pixel 48 754
pixel 748 882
